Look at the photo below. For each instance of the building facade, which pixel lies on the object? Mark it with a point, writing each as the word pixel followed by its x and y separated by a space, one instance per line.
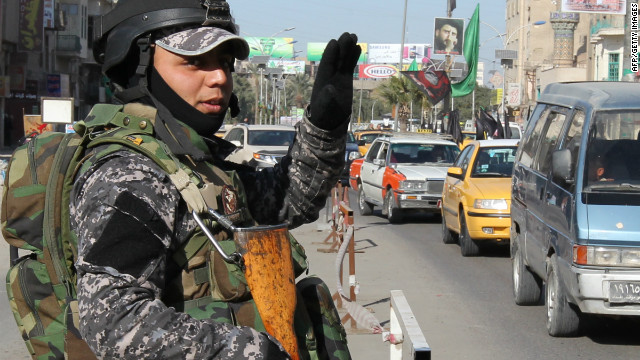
pixel 46 52
pixel 567 47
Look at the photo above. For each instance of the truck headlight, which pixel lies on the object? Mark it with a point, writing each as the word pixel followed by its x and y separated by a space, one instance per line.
pixel 606 256
pixel 490 204
pixel 354 155
pixel 413 185
pixel 266 158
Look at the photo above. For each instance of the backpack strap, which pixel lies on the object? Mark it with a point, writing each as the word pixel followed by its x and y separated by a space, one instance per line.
pixel 108 125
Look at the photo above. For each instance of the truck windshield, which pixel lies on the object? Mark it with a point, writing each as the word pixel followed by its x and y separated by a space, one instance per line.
pixel 613 152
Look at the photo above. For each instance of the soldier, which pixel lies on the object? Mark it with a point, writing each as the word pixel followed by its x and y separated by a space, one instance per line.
pixel 171 62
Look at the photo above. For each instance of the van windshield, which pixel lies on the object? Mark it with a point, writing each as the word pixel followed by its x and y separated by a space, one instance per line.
pixel 613 152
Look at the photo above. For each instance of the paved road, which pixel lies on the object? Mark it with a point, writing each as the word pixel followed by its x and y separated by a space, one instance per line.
pixel 463 305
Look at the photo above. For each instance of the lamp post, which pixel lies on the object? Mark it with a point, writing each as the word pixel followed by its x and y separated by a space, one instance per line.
pixel 505 54
pixel 263 59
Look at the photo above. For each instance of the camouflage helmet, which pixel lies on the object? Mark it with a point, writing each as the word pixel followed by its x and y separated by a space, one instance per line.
pixel 117 33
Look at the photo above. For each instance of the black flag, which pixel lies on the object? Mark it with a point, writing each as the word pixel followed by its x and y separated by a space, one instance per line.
pixel 454 126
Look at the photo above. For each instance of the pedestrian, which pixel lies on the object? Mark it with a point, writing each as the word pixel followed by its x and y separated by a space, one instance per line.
pixel 171 62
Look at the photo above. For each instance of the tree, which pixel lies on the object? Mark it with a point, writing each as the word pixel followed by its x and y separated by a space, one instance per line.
pixel 246 96
pixel 482 100
pixel 400 91
pixel 299 88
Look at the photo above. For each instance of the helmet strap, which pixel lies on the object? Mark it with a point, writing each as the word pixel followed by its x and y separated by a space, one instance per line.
pixel 144 47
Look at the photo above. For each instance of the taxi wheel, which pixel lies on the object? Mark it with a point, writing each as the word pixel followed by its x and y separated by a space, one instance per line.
pixel 393 213
pixel 364 207
pixel 468 247
pixel 447 236
pixel 527 287
pixel 562 319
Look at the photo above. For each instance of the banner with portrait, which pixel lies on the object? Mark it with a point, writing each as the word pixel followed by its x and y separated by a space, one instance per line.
pixel 448 36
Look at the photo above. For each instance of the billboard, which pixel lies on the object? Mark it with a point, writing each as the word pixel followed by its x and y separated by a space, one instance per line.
pixel 274 47
pixel 288 66
pixel 315 50
pixel 448 36
pixel 390 53
pixel 31 31
pixel 376 71
pixel 615 7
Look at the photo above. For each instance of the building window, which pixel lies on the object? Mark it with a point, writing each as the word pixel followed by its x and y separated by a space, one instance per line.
pixel 614 66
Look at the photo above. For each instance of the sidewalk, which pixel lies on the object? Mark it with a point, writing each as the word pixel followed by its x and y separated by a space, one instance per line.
pixel 374 293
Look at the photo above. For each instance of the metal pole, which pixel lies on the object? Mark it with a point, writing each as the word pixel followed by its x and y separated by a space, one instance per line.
pixel 261 102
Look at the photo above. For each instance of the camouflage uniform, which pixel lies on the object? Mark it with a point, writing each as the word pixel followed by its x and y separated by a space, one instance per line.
pixel 130 218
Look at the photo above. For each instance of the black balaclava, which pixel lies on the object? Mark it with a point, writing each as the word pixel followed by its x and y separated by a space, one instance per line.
pixel 205 125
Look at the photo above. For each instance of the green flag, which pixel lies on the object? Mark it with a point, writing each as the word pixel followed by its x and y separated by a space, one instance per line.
pixel 470 49
pixel 413 66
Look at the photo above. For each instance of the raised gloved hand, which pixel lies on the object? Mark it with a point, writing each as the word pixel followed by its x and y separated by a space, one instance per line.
pixel 332 94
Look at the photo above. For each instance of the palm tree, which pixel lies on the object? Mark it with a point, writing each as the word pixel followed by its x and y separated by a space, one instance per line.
pixel 402 92
pixel 299 88
pixel 243 89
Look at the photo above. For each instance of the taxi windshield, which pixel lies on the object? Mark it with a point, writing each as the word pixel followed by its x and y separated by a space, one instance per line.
pixel 423 153
pixel 613 152
pixel 494 162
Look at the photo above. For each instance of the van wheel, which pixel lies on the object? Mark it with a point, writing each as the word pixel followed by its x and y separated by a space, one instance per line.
pixel 393 213
pixel 527 287
pixel 468 247
pixel 562 319
pixel 364 207
pixel 447 236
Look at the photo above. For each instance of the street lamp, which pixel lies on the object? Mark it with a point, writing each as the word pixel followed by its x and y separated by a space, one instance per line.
pixel 506 54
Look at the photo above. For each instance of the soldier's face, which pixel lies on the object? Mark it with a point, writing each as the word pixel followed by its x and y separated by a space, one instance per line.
pixel 203 81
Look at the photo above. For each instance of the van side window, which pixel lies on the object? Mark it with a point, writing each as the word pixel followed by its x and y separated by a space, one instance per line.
pixel 573 139
pixel 529 148
pixel 553 130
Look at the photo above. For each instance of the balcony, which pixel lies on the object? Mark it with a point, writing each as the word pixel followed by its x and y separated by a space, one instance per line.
pixel 615 23
pixel 68 43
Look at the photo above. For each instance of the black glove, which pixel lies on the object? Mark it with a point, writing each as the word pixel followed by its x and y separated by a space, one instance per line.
pixel 332 94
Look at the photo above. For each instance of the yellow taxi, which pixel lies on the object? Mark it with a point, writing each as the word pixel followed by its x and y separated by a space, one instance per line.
pixel 476 196
pixel 364 138
pixel 467 137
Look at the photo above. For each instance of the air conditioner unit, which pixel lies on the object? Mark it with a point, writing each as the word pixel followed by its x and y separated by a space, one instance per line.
pixel 506 54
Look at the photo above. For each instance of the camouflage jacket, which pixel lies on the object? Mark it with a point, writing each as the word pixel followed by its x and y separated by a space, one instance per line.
pixel 129 218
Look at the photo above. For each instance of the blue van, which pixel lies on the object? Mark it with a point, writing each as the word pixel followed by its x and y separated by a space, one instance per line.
pixel 575 204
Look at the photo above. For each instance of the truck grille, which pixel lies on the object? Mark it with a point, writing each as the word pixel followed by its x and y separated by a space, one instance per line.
pixel 435 186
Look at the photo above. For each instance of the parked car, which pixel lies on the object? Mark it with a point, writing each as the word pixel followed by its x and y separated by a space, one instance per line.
pixel 402 173
pixel 477 195
pixel 259 146
pixel 364 138
pixel 576 204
